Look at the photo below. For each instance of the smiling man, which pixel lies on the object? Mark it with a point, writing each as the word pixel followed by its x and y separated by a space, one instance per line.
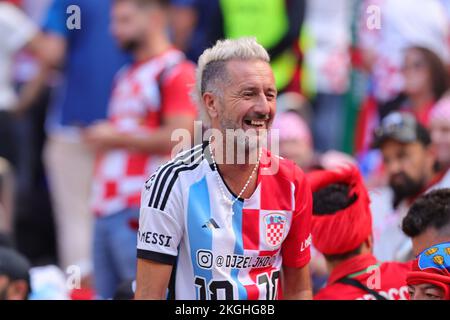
pixel 227 229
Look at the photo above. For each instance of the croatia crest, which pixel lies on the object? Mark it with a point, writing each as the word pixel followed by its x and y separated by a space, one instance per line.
pixel 275 225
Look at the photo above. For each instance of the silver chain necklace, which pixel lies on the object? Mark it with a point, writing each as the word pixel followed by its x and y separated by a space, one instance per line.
pixel 221 183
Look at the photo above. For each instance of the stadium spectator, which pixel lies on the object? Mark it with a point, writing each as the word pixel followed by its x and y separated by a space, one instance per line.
pixel 295 139
pixel 14 275
pixel 411 168
pixel 387 28
pixel 342 231
pixel 79 43
pixel 430 275
pixel 196 204
pixel 440 130
pixel 150 99
pixel 17 32
pixel 425 81
pixel 428 220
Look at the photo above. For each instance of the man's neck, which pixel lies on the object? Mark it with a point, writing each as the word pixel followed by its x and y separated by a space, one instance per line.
pixel 154 46
pixel 237 174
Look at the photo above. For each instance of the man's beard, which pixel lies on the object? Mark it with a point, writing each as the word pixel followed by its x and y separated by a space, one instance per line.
pixel 249 141
pixel 407 188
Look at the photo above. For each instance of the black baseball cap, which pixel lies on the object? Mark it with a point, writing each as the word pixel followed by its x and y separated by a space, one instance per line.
pixel 401 127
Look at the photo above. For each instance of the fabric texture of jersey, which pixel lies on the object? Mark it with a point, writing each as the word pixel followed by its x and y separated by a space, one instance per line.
pixel 185 221
pixel 143 95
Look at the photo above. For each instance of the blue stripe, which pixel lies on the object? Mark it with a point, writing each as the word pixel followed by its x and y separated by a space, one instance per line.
pixel 199 212
pixel 239 246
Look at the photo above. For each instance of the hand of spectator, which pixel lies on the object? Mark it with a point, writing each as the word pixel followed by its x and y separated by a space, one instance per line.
pixel 102 136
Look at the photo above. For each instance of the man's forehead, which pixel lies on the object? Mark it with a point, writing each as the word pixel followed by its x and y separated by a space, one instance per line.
pixel 240 66
pixel 250 72
pixel 393 145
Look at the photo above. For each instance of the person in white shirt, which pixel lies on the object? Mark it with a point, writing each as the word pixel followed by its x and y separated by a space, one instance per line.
pixel 17 32
pixel 411 166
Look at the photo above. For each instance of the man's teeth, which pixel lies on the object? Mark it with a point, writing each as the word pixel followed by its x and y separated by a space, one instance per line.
pixel 258 123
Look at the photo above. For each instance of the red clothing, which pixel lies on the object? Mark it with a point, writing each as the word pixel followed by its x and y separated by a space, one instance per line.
pixel 144 93
pixel 391 280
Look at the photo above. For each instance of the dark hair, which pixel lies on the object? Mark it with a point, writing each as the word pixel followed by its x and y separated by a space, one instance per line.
pixel 429 210
pixel 331 199
pixel 437 69
pixel 343 256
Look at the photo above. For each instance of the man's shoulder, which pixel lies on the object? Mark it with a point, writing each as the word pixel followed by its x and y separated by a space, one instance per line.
pixel 283 168
pixel 396 267
pixel 444 182
pixel 167 177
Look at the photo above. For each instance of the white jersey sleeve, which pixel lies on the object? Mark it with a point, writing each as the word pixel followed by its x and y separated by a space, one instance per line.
pixel 160 227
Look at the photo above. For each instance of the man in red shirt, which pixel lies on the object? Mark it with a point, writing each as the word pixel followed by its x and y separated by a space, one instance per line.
pixel 150 99
pixel 342 232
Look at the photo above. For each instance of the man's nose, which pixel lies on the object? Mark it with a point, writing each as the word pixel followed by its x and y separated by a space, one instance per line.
pixel 263 105
pixel 394 167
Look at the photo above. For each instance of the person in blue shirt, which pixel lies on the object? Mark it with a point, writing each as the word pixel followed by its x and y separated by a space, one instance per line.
pixel 80 45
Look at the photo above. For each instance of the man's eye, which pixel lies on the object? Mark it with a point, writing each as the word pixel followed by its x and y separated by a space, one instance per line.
pixel 432 296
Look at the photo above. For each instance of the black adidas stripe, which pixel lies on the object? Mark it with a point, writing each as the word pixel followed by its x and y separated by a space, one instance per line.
pixel 175 169
pixel 172 182
pixel 177 161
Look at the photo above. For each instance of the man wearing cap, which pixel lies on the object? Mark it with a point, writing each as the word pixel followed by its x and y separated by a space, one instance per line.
pixel 411 167
pixel 14 275
pixel 342 232
pixel 430 275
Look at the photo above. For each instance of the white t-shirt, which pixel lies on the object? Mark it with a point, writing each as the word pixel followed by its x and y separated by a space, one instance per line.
pixel 184 221
pixel 390 243
pixel 16 30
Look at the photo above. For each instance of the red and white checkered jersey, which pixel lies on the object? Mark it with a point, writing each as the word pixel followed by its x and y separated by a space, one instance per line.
pixel 184 221
pixel 143 95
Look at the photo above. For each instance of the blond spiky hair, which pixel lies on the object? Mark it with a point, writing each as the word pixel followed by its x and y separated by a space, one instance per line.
pixel 211 64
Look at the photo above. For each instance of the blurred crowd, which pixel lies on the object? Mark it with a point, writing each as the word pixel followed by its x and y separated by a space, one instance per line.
pixel 91 91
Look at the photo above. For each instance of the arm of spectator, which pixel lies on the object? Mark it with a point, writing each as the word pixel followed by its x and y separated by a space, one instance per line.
pixel 296 13
pixel 152 280
pixel 49 49
pixel 178 112
pixel 297 283
pixel 104 136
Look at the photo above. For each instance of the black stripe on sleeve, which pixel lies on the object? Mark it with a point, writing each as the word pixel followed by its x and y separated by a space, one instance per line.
pixel 172 182
pixel 167 168
pixel 167 175
pixel 156 256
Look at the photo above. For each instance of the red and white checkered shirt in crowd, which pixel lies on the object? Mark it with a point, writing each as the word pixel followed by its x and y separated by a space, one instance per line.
pixel 143 94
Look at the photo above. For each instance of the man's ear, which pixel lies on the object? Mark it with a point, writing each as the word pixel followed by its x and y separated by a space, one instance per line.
pixel 211 104
pixel 369 243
